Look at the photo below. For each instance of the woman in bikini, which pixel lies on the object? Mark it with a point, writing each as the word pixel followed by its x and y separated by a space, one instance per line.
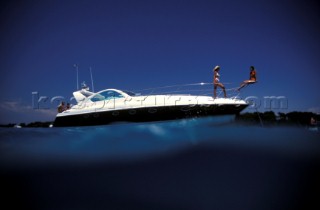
pixel 252 79
pixel 216 82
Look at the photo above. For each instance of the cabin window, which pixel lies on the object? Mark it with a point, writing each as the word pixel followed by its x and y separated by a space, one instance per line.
pixel 106 95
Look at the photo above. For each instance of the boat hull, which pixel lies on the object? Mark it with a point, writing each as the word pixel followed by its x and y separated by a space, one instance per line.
pixel 147 114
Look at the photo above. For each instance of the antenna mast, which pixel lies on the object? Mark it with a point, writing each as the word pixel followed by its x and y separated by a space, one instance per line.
pixel 91 79
pixel 77 69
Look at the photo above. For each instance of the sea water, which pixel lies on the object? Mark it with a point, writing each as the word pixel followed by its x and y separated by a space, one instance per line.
pixel 197 163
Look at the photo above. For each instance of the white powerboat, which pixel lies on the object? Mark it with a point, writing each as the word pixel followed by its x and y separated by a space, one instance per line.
pixel 113 105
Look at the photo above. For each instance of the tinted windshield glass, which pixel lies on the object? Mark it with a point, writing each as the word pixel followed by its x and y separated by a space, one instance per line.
pixel 106 95
pixel 129 93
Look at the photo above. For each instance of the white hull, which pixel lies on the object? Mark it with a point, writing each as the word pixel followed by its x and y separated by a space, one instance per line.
pixel 113 105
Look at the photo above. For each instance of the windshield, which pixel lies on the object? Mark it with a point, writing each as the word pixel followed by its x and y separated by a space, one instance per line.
pixel 129 93
pixel 106 95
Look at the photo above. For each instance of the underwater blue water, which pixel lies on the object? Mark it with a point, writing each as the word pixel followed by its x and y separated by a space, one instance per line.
pixel 200 163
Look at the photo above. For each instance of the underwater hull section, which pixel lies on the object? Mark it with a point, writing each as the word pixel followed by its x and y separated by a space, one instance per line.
pixel 147 114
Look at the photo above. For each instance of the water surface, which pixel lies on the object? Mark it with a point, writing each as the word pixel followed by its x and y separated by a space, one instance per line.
pixel 186 164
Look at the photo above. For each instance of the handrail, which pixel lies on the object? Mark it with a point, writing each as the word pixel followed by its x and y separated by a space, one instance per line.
pixel 201 88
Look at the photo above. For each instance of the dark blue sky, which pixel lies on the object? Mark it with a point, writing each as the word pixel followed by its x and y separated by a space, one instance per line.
pixel 141 44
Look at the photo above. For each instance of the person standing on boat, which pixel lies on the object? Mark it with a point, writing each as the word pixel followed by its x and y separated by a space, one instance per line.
pixel 216 82
pixel 252 79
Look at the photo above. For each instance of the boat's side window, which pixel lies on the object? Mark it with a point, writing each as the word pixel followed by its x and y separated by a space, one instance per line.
pixel 106 95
